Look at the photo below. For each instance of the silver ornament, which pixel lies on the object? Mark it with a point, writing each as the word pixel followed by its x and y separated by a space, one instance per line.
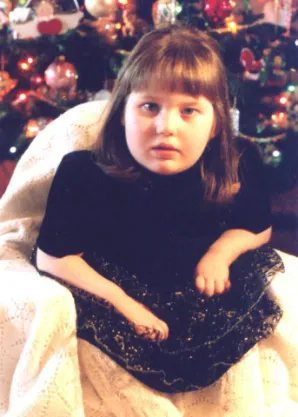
pixel 235 120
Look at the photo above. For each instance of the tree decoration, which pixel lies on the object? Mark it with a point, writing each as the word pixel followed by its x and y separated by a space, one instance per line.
pixel 164 12
pixel 44 22
pixel 47 24
pixel 271 155
pixel 100 8
pixel 279 120
pixel 277 75
pixel 61 75
pixel 6 84
pixel 293 116
pixel 278 12
pixel 34 126
pixel 235 118
pixel 216 11
pixel 252 67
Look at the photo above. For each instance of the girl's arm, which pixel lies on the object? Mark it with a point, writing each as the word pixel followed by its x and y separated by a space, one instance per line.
pixel 74 270
pixel 212 271
pixel 233 243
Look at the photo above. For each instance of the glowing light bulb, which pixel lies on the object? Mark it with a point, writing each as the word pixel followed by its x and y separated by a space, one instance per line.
pixel 283 100
pixel 232 26
pixel 13 149
pixel 24 66
pixel 22 97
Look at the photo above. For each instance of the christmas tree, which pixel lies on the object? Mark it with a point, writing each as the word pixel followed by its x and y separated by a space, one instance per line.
pixel 55 54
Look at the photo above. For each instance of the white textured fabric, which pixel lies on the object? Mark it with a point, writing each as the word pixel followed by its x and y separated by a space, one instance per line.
pixel 46 371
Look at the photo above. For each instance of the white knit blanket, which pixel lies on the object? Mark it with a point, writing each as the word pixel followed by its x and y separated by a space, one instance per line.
pixel 45 371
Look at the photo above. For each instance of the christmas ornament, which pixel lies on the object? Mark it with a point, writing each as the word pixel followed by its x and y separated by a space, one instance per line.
pixel 279 120
pixel 271 155
pixel 235 119
pixel 20 15
pixel 133 25
pixel 44 22
pixel 100 8
pixel 107 28
pixel 164 12
pixel 216 11
pixel 61 75
pixel 34 126
pixel 262 123
pixel 278 12
pixel 293 116
pixel 6 84
pixel 277 75
pixel 252 67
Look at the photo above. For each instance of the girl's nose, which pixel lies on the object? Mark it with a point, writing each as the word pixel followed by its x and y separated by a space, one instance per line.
pixel 166 123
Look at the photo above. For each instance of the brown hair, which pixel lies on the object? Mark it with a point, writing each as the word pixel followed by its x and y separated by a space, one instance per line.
pixel 180 59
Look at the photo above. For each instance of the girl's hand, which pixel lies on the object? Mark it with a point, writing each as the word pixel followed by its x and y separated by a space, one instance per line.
pixel 146 324
pixel 212 274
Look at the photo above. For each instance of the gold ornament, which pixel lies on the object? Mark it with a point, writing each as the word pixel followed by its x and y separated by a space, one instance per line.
pixel 34 126
pixel 6 84
pixel 100 8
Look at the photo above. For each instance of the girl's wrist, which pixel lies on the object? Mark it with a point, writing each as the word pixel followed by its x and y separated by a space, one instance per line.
pixel 224 255
pixel 113 294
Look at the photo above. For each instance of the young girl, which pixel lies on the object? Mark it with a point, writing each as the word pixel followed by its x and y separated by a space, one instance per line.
pixel 160 233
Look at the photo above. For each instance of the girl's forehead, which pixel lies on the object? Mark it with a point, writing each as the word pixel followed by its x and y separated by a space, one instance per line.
pixel 191 84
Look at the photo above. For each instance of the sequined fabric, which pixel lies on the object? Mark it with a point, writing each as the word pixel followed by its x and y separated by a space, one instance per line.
pixel 207 335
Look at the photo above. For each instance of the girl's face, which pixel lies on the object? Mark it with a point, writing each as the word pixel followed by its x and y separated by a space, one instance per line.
pixel 167 132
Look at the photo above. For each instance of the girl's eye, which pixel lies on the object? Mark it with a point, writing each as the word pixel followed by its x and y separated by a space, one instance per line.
pixel 189 111
pixel 151 107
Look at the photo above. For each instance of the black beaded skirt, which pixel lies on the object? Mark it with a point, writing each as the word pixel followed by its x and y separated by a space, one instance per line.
pixel 207 334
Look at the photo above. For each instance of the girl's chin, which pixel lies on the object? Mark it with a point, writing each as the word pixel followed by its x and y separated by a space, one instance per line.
pixel 166 169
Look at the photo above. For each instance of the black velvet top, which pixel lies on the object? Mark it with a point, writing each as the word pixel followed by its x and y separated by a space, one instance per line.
pixel 147 236
pixel 158 227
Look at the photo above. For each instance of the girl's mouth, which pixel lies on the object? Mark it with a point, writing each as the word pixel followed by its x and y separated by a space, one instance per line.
pixel 165 147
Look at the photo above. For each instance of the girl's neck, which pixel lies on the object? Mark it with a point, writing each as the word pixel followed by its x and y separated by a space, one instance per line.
pixel 181 179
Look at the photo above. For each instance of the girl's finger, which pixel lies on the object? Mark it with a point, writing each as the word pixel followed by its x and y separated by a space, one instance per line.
pixel 228 285
pixel 219 287
pixel 164 330
pixel 209 287
pixel 200 283
pixel 140 330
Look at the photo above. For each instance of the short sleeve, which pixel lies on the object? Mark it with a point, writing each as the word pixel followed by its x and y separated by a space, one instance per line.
pixel 251 208
pixel 64 229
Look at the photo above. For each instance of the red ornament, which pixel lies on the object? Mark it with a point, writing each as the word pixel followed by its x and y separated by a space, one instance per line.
pixel 50 27
pixel 217 10
pixel 248 60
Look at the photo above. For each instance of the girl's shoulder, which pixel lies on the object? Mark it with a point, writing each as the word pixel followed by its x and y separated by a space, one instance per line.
pixel 78 157
pixel 79 171
pixel 79 163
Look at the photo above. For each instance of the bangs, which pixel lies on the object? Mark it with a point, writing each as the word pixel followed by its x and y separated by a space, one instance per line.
pixel 177 70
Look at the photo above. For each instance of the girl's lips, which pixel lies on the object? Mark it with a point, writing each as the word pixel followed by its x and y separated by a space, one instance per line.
pixel 165 147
